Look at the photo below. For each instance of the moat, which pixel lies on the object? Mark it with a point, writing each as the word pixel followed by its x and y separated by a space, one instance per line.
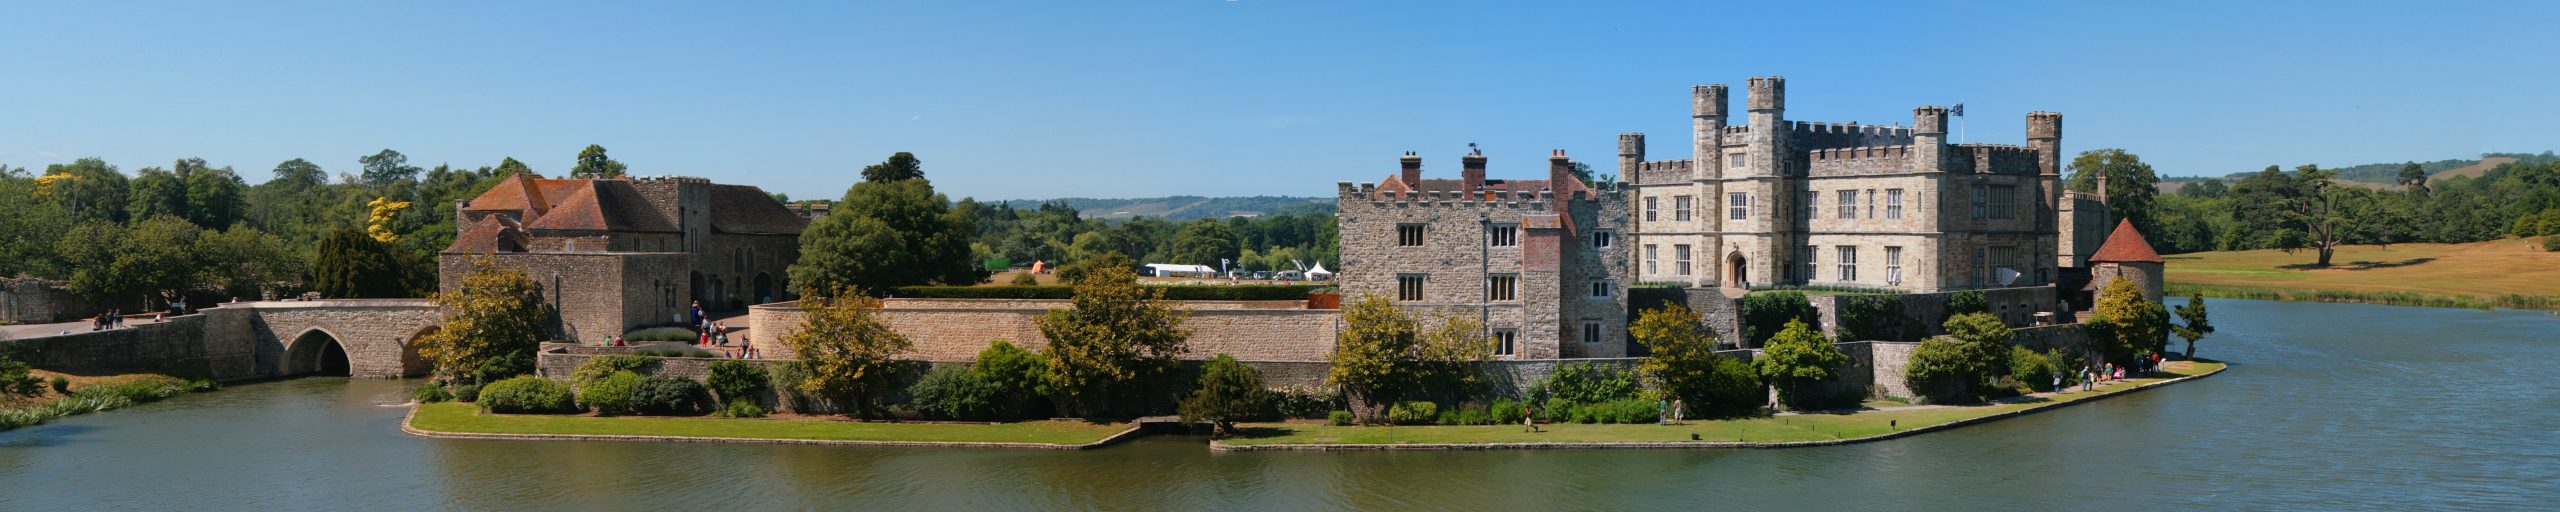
pixel 2327 405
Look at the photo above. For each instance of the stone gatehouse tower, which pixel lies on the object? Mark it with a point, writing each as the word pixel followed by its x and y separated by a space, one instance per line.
pixel 1770 201
pixel 613 254
pixel 1542 263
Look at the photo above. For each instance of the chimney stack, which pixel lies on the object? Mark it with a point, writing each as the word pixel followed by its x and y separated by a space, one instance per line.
pixel 1472 171
pixel 1412 170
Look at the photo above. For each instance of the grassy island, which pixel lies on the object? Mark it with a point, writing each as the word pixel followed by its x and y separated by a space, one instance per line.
pixel 464 420
pixel 1818 428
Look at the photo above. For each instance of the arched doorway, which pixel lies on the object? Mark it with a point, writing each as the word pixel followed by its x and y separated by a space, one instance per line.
pixel 764 289
pixel 1737 271
pixel 411 363
pixel 315 352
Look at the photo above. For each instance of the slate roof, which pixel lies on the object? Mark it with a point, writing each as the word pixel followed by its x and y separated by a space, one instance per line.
pixel 2126 245
pixel 748 210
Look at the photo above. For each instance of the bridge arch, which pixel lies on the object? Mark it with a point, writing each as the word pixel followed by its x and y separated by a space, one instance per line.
pixel 412 364
pixel 316 351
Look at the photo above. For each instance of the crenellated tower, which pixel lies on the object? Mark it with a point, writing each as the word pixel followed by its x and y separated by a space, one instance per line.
pixel 1929 139
pixel 2044 135
pixel 1630 154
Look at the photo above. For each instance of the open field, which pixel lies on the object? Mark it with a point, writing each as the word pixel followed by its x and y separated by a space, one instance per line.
pixel 1795 428
pixel 2481 272
pixel 462 418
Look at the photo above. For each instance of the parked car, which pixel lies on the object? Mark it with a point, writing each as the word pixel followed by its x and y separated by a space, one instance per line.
pixel 1262 275
pixel 1290 275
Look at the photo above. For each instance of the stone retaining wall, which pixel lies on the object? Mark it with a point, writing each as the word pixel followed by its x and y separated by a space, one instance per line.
pixel 30 300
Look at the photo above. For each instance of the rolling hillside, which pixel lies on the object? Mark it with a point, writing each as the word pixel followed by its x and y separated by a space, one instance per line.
pixel 2386 176
pixel 1182 208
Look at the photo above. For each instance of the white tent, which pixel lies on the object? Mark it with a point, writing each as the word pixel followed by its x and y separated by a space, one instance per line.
pixel 1174 270
pixel 1319 273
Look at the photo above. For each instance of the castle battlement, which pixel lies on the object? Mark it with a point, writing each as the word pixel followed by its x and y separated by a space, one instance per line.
pixel 1994 159
pixel 1663 171
pixel 1862 152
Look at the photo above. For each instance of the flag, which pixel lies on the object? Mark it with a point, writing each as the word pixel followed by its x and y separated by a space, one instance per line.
pixel 1958 111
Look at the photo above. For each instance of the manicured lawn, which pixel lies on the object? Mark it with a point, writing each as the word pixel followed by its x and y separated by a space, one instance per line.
pixel 467 419
pixel 2478 269
pixel 1777 429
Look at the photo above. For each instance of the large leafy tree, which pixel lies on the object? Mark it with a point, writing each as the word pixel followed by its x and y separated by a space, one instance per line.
pixel 387 167
pixel 156 192
pixel 2306 210
pixel 2414 177
pixel 1382 354
pixel 511 167
pixel 592 163
pixel 2128 325
pixel 1114 333
pixel 244 262
pixel 1228 391
pixel 886 234
pixel 352 265
pixel 848 348
pixel 900 166
pixel 215 196
pixel 131 267
pixel 1799 361
pixel 2132 188
pixel 88 189
pixel 1963 364
pixel 2196 326
pixel 29 226
pixel 493 324
pixel 1683 362
pixel 1204 242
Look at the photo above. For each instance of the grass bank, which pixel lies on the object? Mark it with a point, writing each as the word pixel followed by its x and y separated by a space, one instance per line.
pixel 466 420
pixel 1865 424
pixel 2511 273
pixel 90 394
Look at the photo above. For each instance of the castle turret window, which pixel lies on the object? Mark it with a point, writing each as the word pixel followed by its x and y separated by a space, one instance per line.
pixel 2004 201
pixel 1602 289
pixel 1652 265
pixel 1893 266
pixel 1649 206
pixel 1591 331
pixel 1603 239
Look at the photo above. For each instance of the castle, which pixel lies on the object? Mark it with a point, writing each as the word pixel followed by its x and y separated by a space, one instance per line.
pixel 613 254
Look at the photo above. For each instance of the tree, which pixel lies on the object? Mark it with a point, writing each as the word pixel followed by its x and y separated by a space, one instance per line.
pixel 2414 177
pixel 493 324
pixel 1204 242
pixel 2303 210
pixel 511 167
pixel 848 348
pixel 900 166
pixel 300 174
pixel 386 167
pixel 1228 390
pixel 351 265
pixel 1799 361
pixel 156 192
pixel 1372 358
pixel 592 163
pixel 1963 364
pixel 2132 188
pixel 2126 324
pixel 87 189
pixel 1114 333
pixel 888 234
pixel 215 196
pixel 245 262
pixel 1072 273
pixel 2196 326
pixel 1683 362
pixel 119 265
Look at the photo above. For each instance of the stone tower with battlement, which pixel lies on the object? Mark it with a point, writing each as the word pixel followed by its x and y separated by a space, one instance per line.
pixel 1776 202
pixel 1542 263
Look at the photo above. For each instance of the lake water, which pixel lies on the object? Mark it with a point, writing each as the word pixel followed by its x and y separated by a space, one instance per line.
pixel 2328 407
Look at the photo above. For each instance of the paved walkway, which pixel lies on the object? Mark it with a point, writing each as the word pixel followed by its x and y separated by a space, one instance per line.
pixel 2031 397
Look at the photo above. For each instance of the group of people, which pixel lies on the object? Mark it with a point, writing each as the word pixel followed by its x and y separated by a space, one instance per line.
pixel 111 319
pixel 2091 378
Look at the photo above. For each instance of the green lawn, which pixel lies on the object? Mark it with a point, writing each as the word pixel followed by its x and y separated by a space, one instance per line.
pixel 1777 429
pixel 464 418
pixel 2490 269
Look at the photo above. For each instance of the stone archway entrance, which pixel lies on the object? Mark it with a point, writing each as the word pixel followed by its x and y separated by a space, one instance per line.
pixel 1737 271
pixel 315 352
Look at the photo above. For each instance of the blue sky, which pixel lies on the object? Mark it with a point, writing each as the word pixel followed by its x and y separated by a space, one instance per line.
pixel 1127 99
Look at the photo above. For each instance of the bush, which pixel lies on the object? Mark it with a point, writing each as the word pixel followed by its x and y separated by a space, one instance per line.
pixel 683 334
pixel 1025 279
pixel 526 394
pixel 1020 377
pixel 1765 313
pixel 1338 418
pixel 1478 415
pixel 15 380
pixel 1557 410
pixel 733 380
pixel 784 378
pixel 1875 318
pixel 466 392
pixel 1448 417
pixel 1504 412
pixel 1413 413
pixel 1587 383
pixel 2033 369
pixel 743 409
pixel 1968 301
pixel 2551 243
pixel 61 385
pixel 1733 389
pixel 1634 411
pixel 954 392
pixel 670 396
pixel 1303 404
pixel 1227 391
pixel 1054 292
pixel 431 393
pixel 610 395
pixel 605 366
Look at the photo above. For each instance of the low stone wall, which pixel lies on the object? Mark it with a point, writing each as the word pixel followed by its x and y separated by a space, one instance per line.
pixel 957 329
pixel 30 300
pixel 175 345
pixel 1926 312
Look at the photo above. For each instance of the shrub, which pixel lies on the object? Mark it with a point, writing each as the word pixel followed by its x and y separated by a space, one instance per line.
pixel 733 380
pixel 430 393
pixel 743 409
pixel 1635 411
pixel 1875 317
pixel 14 378
pixel 1556 410
pixel 1968 301
pixel 670 396
pixel 1504 412
pixel 954 392
pixel 1227 390
pixel 610 395
pixel 1733 389
pixel 784 378
pixel 1303 404
pixel 1025 279
pixel 1448 417
pixel 605 366
pixel 1766 313
pixel 1587 383
pixel 1800 362
pixel 2035 370
pixel 1020 377
pixel 1478 415
pixel 61 385
pixel 2551 243
pixel 469 392
pixel 683 334
pixel 526 394
pixel 1338 418
pixel 1412 413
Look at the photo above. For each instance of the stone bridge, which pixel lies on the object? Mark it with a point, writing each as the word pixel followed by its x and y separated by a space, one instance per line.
pixel 252 340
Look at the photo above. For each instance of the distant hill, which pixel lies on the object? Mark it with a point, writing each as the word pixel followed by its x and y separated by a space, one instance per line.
pixel 1182 208
pixel 2387 175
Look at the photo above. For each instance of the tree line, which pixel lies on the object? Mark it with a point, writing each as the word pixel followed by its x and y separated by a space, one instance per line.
pixel 2309 208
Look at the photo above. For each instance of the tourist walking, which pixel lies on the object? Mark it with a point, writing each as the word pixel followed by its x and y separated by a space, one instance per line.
pixel 697 315
pixel 1528 417
pixel 1679 411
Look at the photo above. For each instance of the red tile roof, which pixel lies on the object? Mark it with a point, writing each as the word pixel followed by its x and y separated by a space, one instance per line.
pixel 599 205
pixel 491 234
pixel 2126 245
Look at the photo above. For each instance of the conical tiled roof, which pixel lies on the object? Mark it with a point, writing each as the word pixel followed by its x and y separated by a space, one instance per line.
pixel 2126 245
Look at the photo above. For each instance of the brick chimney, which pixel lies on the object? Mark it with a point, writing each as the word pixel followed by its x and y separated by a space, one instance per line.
pixel 1559 172
pixel 1412 170
pixel 1473 173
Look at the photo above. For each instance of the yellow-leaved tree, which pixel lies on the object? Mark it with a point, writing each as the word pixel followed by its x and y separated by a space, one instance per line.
pixel 493 324
pixel 847 348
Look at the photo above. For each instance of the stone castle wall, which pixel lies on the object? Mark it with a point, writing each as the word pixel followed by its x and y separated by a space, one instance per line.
pixel 30 300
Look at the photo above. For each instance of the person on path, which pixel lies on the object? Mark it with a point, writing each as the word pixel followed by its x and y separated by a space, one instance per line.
pixel 1679 411
pixel 697 315
pixel 1528 417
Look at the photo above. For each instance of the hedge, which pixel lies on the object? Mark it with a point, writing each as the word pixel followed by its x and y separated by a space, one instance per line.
pixel 1183 292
